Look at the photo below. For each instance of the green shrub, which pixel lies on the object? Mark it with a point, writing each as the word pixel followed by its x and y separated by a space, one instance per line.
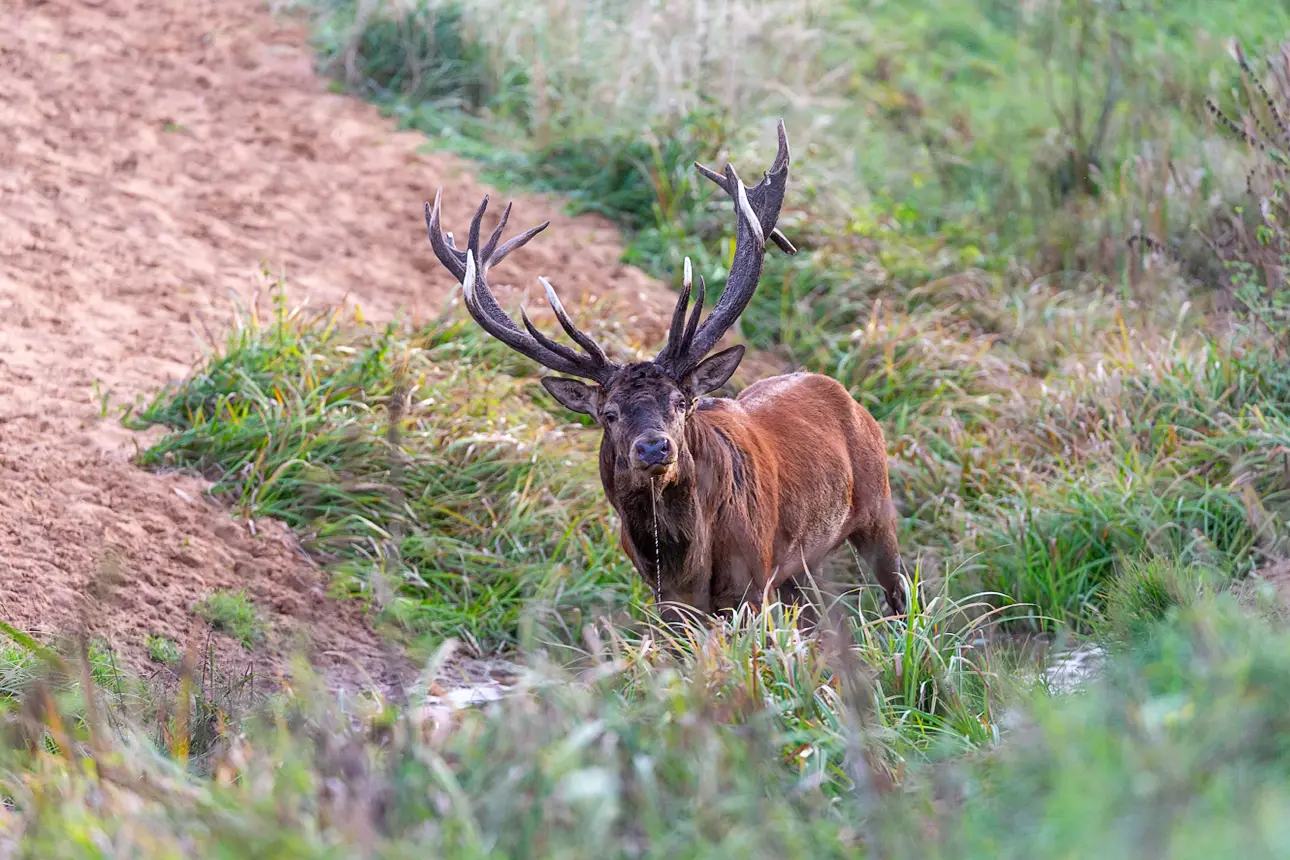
pixel 164 650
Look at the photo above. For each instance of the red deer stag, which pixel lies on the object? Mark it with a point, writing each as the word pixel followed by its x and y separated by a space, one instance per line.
pixel 720 500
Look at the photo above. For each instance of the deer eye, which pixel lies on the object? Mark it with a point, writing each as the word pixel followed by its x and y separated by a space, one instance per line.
pixel 609 416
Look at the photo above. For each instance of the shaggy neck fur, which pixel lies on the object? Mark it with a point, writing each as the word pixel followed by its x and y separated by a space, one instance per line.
pixel 710 473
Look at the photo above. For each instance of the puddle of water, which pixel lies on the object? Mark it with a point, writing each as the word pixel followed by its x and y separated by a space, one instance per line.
pixel 1064 668
pixel 470 696
pixel 1070 669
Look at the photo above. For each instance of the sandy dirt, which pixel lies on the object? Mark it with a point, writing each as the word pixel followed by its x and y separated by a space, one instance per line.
pixel 153 157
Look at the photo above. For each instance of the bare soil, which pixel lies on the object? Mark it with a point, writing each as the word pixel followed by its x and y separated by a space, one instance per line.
pixel 154 158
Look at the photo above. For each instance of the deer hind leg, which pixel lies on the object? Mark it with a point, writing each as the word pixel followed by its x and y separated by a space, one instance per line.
pixel 881 551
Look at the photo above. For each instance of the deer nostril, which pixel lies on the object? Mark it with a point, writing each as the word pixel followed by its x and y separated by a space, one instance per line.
pixel 652 450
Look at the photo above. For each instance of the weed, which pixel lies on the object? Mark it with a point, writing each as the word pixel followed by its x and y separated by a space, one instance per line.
pixel 749 740
pixel 1147 592
pixel 235 614
pixel 1008 123
pixel 102 397
pixel 164 650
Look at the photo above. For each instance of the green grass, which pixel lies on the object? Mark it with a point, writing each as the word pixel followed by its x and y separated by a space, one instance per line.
pixel 1179 753
pixel 957 274
pixel 926 142
pixel 234 613
pixel 1177 750
pixel 1077 445
pixel 706 741
pixel 1142 441
pixel 425 467
pixel 475 511
pixel 1145 593
pixel 164 650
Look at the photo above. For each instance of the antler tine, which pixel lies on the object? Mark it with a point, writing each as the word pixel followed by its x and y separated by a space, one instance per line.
pixel 756 213
pixel 452 259
pixel 471 266
pixel 517 242
pixel 592 348
pixel 693 324
pixel 782 241
pixel 676 331
pixel 678 341
pixel 745 208
pixel 491 247
pixel 472 239
pixel 782 158
pixel 555 346
pixel 713 175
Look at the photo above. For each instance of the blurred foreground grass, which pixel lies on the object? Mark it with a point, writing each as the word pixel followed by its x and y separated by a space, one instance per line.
pixel 1178 751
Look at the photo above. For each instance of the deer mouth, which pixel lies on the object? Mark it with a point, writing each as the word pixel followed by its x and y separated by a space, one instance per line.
pixel 658 470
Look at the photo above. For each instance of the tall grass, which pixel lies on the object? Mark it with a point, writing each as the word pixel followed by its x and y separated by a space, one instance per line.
pixel 474 510
pixel 1177 750
pixel 468 516
pixel 1006 120
pixel 749 736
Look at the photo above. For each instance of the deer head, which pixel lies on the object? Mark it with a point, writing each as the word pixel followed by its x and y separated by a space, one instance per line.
pixel 643 407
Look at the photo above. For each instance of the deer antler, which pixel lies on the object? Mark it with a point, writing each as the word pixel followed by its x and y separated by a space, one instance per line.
pixel 756 213
pixel 471 266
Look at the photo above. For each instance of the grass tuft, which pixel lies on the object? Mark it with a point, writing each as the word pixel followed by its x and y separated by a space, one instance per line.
pixel 233 613
pixel 164 650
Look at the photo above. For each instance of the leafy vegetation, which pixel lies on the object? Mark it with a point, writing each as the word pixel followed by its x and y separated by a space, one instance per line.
pixel 164 650
pixel 474 511
pixel 1053 407
pixel 1178 752
pixel 1088 441
pixel 1023 142
pixel 235 614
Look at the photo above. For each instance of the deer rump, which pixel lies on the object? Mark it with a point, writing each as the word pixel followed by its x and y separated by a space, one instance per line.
pixel 721 500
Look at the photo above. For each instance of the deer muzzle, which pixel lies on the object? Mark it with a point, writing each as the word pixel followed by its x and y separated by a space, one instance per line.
pixel 653 453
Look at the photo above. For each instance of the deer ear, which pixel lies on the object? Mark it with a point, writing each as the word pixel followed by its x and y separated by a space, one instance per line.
pixel 713 372
pixel 572 394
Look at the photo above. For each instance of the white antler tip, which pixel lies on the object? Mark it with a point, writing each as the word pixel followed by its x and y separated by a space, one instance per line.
pixel 688 277
pixel 550 294
pixel 741 200
pixel 468 282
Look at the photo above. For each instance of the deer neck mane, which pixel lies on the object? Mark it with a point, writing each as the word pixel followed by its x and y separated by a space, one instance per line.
pixel 709 472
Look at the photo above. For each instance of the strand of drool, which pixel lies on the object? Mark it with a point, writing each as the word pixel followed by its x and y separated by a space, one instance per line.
pixel 658 565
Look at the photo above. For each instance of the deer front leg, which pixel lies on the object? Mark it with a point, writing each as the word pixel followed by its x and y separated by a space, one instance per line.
pixel 692 585
pixel 736 582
